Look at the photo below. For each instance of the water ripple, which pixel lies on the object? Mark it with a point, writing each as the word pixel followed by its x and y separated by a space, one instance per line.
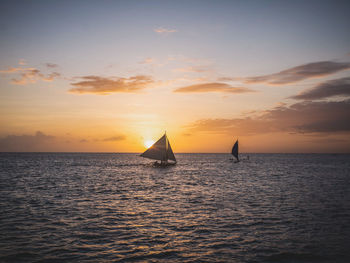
pixel 120 208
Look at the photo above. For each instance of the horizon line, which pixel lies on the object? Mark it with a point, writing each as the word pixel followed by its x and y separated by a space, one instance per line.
pixel 1 152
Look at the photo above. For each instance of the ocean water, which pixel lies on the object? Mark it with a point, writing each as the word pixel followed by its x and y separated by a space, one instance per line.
pixel 119 208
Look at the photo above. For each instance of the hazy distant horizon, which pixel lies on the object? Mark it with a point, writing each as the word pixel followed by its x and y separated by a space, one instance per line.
pixel 242 153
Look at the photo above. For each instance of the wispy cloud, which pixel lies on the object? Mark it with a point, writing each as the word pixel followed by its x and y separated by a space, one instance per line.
pixel 164 31
pixel 10 70
pixel 147 61
pixel 115 138
pixel 336 87
pixel 197 69
pixel 22 62
pixel 226 79
pixel 29 75
pixel 24 142
pixel 299 73
pixel 303 117
pixel 186 59
pixel 105 86
pixel 32 75
pixel 212 87
pixel 51 65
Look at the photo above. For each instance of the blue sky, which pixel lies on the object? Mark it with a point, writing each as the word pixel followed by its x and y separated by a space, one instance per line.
pixel 240 33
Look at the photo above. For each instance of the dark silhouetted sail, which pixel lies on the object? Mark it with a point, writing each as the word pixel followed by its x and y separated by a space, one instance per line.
pixel 235 150
pixel 170 153
pixel 160 150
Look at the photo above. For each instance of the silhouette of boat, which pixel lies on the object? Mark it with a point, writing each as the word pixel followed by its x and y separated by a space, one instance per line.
pixel 235 151
pixel 160 151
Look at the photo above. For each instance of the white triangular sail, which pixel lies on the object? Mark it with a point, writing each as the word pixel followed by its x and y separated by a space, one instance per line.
pixel 160 150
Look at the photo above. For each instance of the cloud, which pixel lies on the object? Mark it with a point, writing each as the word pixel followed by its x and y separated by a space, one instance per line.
pixel 51 65
pixel 303 117
pixel 226 79
pixel 29 75
pixel 151 61
pixel 336 87
pixel 197 69
pixel 10 70
pixel 35 142
pixel 22 62
pixel 212 87
pixel 162 30
pixel 299 73
pixel 186 59
pixel 83 141
pixel 104 86
pixel 115 138
pixel 52 76
pixel 147 61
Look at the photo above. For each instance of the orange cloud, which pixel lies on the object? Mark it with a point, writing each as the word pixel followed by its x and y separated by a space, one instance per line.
pixel 22 62
pixel 29 75
pixel 115 138
pixel 105 86
pixel 197 69
pixel 299 73
pixel 303 117
pixel 11 70
pixel 51 76
pixel 212 87
pixel 147 61
pixel 162 30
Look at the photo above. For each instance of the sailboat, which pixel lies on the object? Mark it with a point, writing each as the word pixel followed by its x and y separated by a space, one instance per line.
pixel 235 150
pixel 160 151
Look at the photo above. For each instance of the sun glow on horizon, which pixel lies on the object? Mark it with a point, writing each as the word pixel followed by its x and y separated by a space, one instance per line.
pixel 149 143
pixel 251 78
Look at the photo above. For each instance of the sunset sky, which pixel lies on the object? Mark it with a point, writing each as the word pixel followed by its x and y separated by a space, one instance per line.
pixel 107 76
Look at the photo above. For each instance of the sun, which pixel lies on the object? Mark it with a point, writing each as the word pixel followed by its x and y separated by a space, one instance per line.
pixel 148 143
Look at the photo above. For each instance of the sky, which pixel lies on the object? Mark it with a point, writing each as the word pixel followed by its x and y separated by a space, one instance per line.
pixel 111 76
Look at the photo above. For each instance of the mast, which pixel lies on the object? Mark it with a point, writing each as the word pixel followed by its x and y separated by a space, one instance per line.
pixel 166 147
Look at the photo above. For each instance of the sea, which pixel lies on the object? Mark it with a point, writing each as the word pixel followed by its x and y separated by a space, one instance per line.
pixel 112 207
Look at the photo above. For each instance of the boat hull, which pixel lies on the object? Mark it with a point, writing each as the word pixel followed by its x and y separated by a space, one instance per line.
pixel 163 164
